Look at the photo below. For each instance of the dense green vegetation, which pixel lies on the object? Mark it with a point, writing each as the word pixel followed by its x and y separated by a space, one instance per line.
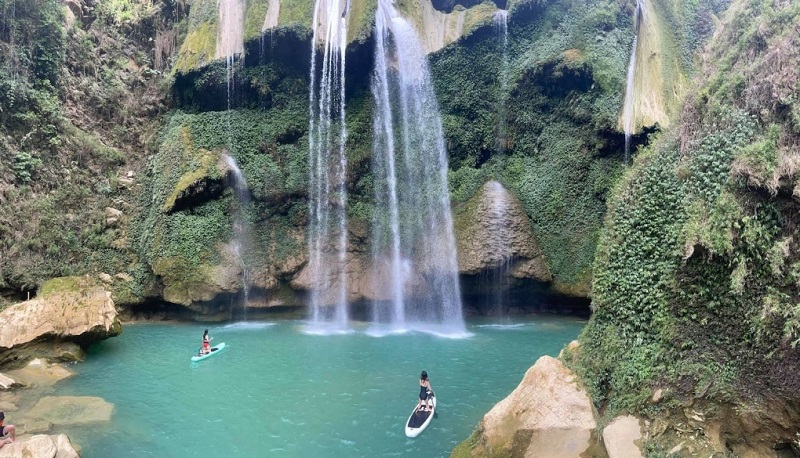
pixel 566 72
pixel 561 151
pixel 696 276
pixel 63 137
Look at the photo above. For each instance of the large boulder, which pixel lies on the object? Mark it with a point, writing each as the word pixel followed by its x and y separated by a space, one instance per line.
pixel 620 437
pixel 492 228
pixel 547 416
pixel 40 446
pixel 68 311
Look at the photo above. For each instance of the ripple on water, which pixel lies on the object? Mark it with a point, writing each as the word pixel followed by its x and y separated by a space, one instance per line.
pixel 504 326
pixel 248 325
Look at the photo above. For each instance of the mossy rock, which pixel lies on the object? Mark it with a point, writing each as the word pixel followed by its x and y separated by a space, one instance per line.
pixel 66 285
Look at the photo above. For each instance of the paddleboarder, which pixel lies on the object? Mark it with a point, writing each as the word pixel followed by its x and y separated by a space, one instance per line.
pixel 206 344
pixel 424 387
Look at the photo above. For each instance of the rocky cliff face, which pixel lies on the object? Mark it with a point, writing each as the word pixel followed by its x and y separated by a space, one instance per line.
pixel 492 229
pixel 702 232
pixel 166 226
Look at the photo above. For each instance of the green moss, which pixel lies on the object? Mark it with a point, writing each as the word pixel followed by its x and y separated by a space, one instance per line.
pixel 206 167
pixel 255 12
pixel 63 285
pixel 198 48
pixel 296 12
pixel 362 19
pixel 464 448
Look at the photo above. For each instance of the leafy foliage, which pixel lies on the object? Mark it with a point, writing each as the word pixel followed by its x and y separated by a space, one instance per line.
pixel 695 282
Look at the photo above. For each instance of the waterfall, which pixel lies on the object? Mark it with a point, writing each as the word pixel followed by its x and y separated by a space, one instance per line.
pixel 501 25
pixel 628 111
pixel 230 43
pixel 230 35
pixel 498 214
pixel 327 238
pixel 241 226
pixel 413 241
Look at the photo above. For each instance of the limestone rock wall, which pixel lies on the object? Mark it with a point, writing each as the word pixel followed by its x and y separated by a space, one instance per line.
pixel 70 309
pixel 492 228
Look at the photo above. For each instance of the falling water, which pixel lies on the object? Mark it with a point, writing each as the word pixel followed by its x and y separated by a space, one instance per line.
pixel 230 36
pixel 230 44
pixel 241 227
pixel 413 241
pixel 327 240
pixel 500 251
pixel 501 25
pixel 628 115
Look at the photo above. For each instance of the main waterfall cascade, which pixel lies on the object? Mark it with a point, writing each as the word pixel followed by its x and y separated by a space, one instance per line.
pixel 414 247
pixel 327 236
pixel 501 25
pixel 628 115
pixel 241 226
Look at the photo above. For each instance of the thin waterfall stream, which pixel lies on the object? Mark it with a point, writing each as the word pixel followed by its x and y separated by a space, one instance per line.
pixel 413 249
pixel 327 236
pixel 502 255
pixel 501 26
pixel 628 110
pixel 241 227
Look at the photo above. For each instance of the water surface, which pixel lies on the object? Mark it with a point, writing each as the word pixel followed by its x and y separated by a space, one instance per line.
pixel 278 390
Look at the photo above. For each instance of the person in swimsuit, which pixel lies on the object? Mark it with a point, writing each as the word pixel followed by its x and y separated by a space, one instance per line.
pixel 8 433
pixel 424 387
pixel 206 344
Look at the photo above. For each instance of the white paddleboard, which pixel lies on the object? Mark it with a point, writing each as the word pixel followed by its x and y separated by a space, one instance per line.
pixel 420 419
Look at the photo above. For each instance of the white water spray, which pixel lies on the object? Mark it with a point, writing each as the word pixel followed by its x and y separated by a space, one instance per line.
pixel 327 168
pixel 413 239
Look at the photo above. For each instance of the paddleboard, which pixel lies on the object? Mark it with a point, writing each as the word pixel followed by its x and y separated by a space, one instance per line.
pixel 214 350
pixel 419 419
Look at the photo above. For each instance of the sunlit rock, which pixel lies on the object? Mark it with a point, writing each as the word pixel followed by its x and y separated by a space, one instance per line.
pixel 548 415
pixel 40 446
pixel 68 311
pixel 620 437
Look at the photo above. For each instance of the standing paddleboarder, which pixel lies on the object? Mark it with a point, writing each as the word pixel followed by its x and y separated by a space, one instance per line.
pixel 424 387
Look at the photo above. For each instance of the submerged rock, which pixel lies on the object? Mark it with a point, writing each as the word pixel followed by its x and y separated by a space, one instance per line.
pixel 68 312
pixel 547 415
pixel 54 411
pixel 40 373
pixel 40 446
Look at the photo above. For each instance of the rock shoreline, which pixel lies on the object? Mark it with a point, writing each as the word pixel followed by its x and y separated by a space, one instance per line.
pixel 67 316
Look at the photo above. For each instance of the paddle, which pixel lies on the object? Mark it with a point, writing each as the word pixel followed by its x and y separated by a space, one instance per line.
pixel 436 409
